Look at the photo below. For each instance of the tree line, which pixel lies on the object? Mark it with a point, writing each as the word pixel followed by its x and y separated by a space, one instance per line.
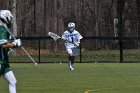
pixel 92 17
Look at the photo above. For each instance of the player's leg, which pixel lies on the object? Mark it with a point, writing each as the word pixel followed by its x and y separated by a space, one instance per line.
pixel 71 59
pixel 75 52
pixel 0 71
pixel 73 55
pixel 9 76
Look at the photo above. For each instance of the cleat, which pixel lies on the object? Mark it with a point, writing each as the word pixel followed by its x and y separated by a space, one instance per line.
pixel 71 68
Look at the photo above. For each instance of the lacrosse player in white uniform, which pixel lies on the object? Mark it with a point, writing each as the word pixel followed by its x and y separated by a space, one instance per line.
pixel 72 40
pixel 5 44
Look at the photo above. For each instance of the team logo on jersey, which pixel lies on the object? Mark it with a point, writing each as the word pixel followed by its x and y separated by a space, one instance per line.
pixel 71 35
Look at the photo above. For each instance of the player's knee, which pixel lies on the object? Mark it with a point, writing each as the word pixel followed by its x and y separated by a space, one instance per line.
pixel 13 82
pixel 71 54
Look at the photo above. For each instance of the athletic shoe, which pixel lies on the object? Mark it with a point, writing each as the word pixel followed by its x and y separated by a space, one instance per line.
pixel 71 68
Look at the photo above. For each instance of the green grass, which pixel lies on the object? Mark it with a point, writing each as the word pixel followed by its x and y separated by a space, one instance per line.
pixel 86 78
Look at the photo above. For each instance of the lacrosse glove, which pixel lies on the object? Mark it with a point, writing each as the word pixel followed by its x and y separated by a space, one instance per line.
pixel 17 43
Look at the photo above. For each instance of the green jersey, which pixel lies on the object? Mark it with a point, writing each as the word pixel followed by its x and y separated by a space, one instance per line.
pixel 4 62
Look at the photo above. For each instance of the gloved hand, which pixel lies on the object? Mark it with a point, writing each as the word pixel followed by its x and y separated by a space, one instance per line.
pixel 77 44
pixel 63 38
pixel 17 42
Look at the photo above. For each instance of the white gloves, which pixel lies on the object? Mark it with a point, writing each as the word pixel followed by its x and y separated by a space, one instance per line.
pixel 77 44
pixel 63 38
pixel 17 42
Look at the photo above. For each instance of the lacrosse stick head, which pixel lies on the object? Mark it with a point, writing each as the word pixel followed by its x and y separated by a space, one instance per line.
pixel 54 36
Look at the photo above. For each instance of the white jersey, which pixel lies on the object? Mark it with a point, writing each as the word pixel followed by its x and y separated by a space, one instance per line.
pixel 72 38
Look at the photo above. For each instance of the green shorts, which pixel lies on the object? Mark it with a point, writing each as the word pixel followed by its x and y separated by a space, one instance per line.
pixel 4 68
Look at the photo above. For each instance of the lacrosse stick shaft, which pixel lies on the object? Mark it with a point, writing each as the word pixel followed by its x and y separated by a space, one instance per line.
pixel 21 46
pixel 28 55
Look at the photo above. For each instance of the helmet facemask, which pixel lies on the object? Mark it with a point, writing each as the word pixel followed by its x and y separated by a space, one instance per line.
pixel 6 16
pixel 71 27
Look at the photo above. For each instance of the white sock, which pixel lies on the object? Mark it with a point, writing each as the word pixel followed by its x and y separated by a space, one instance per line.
pixel 70 64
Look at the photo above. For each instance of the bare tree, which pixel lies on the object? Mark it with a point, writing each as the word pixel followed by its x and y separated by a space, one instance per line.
pixel 14 17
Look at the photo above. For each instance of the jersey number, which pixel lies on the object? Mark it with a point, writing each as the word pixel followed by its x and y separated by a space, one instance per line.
pixel 72 40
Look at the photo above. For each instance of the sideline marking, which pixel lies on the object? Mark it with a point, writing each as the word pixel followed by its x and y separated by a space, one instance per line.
pixel 96 90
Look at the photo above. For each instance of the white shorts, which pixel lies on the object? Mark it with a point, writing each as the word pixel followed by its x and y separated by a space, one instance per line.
pixel 73 51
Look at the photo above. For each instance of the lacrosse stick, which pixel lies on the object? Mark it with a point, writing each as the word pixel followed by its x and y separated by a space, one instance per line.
pixel 21 46
pixel 56 37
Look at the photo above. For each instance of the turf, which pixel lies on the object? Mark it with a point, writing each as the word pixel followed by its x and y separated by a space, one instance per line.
pixel 86 78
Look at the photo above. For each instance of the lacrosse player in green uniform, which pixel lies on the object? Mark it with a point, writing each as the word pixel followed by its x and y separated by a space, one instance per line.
pixel 5 44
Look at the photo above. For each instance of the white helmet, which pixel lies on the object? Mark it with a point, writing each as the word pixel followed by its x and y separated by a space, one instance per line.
pixel 6 16
pixel 71 26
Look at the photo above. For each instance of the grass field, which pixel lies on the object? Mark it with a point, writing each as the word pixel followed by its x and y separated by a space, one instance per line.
pixel 86 78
